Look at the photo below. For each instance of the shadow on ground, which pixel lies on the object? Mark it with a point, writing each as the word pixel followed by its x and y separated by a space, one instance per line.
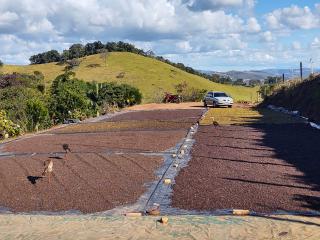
pixel 299 145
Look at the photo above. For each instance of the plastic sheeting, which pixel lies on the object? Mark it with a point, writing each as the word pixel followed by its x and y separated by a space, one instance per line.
pixel 178 227
pixel 294 113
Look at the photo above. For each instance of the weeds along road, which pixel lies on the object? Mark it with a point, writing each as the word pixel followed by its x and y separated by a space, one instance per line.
pixel 252 159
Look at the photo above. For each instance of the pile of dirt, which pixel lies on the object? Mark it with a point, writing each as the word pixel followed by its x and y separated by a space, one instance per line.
pixel 303 97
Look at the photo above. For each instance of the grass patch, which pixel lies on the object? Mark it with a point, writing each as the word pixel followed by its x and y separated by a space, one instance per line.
pixel 245 116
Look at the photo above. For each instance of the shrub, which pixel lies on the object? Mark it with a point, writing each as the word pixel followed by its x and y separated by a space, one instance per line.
pixel 189 94
pixel 37 115
pixel 69 95
pixel 120 95
pixel 7 126
pixel 93 65
pixel 71 64
pixel 121 75
pixel 15 91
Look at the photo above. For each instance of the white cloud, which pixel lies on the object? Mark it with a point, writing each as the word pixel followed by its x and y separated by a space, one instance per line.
pixel 184 46
pixel 315 43
pixel 253 25
pixel 293 17
pixel 201 5
pixel 213 31
pixel 296 45
pixel 267 36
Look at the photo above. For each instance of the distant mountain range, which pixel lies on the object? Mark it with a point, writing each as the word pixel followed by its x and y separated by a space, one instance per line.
pixel 263 74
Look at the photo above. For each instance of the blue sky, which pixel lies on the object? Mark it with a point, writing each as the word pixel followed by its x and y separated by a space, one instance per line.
pixel 215 35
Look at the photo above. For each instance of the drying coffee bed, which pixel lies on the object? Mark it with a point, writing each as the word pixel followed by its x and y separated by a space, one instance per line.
pixel 179 115
pixel 105 169
pixel 124 141
pixel 263 166
pixel 90 182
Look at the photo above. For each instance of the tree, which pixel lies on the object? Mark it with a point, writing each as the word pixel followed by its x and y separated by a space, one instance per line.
pixel 254 82
pixel 37 114
pixel 1 64
pixel 272 80
pixel 104 53
pixel 76 51
pixel 52 56
pixel 45 57
pixel 69 97
pixel 239 82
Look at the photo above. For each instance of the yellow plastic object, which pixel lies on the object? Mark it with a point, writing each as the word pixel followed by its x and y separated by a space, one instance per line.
pixel 240 212
pixel 164 220
pixel 167 181
pixel 133 214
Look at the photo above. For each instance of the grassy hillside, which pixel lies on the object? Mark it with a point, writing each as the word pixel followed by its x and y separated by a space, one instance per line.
pixel 296 95
pixel 152 77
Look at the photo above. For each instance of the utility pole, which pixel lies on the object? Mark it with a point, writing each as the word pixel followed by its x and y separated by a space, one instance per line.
pixel 311 66
pixel 301 71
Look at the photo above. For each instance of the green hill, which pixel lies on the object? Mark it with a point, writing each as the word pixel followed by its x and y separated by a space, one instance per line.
pixel 151 76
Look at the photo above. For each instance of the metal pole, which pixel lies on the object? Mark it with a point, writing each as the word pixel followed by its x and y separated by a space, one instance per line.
pixel 301 71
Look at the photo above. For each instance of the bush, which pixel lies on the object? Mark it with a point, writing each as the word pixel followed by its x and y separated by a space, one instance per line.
pixel 93 65
pixel 37 115
pixel 120 95
pixel 69 96
pixel 188 94
pixel 15 91
pixel 71 64
pixel 7 127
